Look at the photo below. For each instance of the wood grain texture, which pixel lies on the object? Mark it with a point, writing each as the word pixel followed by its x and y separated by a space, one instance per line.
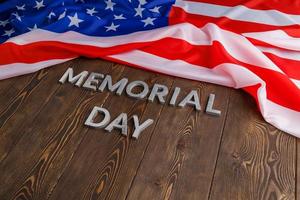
pixel 117 187
pixel 27 103
pixel 109 154
pixel 182 153
pixel 46 153
pixel 49 140
pixel 256 161
pixel 9 89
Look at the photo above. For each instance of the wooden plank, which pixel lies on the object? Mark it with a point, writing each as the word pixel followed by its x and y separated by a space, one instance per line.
pixel 36 141
pixel 9 89
pixel 117 187
pixel 105 164
pixel 181 155
pixel 256 161
pixel 21 97
pixel 25 105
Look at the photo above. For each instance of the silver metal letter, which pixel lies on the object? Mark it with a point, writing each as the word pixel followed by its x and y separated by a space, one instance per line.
pixel 120 122
pixel 210 104
pixel 191 99
pixel 160 91
pixel 69 75
pixel 133 84
pixel 119 86
pixel 139 128
pixel 174 96
pixel 92 81
pixel 90 120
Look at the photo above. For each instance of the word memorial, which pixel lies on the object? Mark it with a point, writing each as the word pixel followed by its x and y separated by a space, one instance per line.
pixel 135 89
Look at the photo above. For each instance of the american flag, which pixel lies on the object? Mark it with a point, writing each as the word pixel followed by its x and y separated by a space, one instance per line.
pixel 253 45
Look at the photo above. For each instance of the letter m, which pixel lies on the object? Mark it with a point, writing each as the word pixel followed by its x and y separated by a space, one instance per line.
pixel 118 86
pixel 69 76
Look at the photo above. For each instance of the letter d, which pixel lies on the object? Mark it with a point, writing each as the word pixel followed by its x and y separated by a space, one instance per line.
pixel 90 120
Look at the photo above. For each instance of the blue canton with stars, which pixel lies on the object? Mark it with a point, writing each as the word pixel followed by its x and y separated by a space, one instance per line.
pixel 89 17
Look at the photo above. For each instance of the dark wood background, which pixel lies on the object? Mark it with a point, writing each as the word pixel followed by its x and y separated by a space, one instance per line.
pixel 47 153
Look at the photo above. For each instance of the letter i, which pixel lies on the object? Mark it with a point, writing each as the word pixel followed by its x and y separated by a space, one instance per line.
pixel 174 96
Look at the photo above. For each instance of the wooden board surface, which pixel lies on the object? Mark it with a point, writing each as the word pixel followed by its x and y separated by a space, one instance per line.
pixel 47 153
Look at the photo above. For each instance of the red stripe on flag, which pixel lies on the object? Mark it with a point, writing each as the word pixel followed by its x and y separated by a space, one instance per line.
pixel 41 51
pixel 290 67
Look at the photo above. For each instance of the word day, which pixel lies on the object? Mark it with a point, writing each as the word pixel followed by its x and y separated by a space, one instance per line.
pixel 120 122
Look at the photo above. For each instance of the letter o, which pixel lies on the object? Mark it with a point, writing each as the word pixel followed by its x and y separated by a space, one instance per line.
pixel 140 95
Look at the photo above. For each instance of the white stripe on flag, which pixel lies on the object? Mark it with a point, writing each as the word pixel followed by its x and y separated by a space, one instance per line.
pixel 288 54
pixel 277 38
pixel 296 82
pixel 241 13
pixel 16 69
pixel 177 68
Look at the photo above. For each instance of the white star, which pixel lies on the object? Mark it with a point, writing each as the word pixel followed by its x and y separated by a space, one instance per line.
pixel 139 11
pixel 112 27
pixel 109 5
pixel 21 7
pixel 74 20
pixel 62 15
pixel 3 23
pixel 119 17
pixel 33 28
pixel 51 14
pixel 142 2
pixel 91 11
pixel 155 9
pixel 148 21
pixel 17 16
pixel 9 32
pixel 39 4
